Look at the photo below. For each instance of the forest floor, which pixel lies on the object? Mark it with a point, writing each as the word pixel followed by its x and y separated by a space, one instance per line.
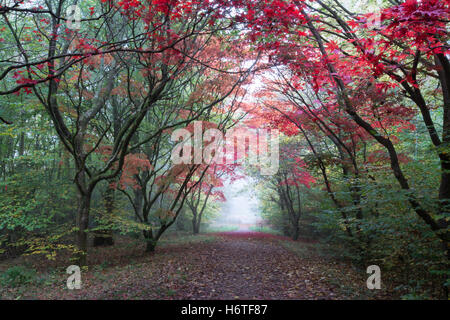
pixel 229 265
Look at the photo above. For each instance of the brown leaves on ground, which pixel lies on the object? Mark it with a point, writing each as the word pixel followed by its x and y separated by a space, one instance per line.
pixel 228 266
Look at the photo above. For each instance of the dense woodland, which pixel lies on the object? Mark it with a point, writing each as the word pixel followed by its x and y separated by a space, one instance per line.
pixel 92 91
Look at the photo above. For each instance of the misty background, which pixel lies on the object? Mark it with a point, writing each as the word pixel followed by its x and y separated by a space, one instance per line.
pixel 241 208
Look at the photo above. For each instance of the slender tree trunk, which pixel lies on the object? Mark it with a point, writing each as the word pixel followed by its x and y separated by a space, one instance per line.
pixel 150 246
pixel 84 203
pixel 296 231
pixel 150 242
pixel 196 227
pixel 104 237
pixel 202 210
pixel 195 220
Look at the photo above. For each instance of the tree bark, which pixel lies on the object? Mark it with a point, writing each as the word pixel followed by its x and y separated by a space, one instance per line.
pixel 195 223
pixel 104 237
pixel 84 203
pixel 295 231
pixel 196 229
pixel 150 242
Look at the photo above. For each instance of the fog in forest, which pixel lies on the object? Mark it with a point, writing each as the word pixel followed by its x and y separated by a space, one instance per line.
pixel 241 206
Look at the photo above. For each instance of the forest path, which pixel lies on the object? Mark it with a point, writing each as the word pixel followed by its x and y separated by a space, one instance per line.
pixel 241 267
pixel 231 265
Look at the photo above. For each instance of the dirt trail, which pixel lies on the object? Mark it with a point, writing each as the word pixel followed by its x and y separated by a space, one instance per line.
pixel 238 265
pixel 251 269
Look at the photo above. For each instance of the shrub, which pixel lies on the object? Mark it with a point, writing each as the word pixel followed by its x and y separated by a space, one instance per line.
pixel 17 275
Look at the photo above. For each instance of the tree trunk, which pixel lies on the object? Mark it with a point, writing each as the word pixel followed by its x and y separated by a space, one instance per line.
pixel 196 229
pixel 150 242
pixel 84 203
pixel 295 232
pixel 104 237
pixel 195 224
pixel 444 197
pixel 151 245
